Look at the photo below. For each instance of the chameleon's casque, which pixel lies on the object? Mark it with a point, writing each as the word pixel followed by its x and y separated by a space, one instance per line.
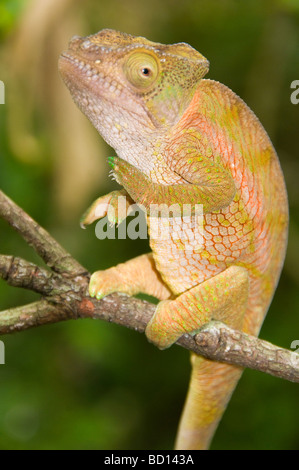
pixel 181 139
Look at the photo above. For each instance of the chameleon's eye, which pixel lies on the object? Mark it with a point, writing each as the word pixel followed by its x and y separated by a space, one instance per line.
pixel 141 69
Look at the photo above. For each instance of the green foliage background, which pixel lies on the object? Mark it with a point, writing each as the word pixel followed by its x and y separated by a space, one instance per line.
pixel 87 384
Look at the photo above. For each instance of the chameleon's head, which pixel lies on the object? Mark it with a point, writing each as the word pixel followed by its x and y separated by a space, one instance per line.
pixel 121 81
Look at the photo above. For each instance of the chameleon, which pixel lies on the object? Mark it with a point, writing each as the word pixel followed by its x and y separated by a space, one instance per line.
pixel 182 140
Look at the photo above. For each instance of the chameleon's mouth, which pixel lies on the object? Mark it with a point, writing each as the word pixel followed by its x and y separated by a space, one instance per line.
pixel 68 62
pixel 75 72
pixel 80 76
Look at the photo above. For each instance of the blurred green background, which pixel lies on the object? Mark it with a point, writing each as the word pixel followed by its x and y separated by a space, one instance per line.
pixel 86 384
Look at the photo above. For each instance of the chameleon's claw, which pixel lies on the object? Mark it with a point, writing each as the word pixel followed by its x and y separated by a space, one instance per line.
pixel 96 211
pixel 105 282
pixel 114 205
pixel 97 286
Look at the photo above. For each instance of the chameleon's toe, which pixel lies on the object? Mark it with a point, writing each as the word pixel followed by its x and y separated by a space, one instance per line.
pixel 119 207
pixel 95 285
pixel 96 211
pixel 105 282
pixel 115 205
pixel 101 284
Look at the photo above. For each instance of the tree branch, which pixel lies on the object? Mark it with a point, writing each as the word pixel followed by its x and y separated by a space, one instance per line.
pixel 56 257
pixel 64 290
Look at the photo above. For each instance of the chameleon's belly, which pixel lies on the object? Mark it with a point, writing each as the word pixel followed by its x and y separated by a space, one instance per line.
pixel 196 249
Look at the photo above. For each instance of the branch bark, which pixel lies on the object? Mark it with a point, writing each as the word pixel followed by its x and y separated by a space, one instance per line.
pixel 64 291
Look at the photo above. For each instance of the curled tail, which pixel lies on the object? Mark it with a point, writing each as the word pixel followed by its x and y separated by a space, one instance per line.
pixel 210 389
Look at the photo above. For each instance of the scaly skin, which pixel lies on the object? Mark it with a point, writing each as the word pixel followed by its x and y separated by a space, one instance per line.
pixel 180 140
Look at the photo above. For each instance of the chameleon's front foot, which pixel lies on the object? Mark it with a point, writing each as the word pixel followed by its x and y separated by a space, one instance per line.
pixel 134 276
pixel 105 282
pixel 115 205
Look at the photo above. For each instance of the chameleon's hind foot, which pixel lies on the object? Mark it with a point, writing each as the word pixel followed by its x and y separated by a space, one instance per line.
pixel 222 297
pixel 134 276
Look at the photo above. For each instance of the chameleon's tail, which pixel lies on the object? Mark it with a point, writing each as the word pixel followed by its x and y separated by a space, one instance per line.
pixel 210 389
